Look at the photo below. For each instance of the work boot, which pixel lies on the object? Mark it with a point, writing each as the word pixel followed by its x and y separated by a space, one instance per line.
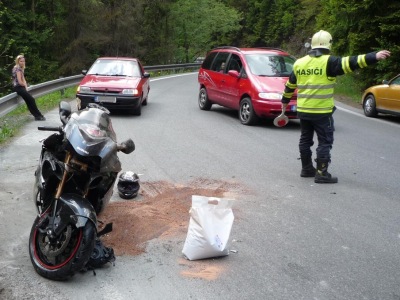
pixel 307 169
pixel 322 175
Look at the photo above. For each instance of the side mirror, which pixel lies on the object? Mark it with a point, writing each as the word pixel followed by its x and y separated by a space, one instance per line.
pixel 64 110
pixel 127 146
pixel 84 72
pixel 385 82
pixel 234 73
pixel 146 75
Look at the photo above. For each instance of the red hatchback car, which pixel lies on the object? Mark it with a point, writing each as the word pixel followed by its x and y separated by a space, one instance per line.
pixel 249 80
pixel 118 83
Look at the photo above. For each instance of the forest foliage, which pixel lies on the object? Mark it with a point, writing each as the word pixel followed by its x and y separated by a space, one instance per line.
pixel 60 38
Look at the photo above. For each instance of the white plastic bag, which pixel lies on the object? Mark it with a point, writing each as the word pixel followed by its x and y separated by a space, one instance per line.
pixel 209 229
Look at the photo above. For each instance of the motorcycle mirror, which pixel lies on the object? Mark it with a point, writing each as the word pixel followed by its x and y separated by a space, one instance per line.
pixel 64 109
pixel 127 146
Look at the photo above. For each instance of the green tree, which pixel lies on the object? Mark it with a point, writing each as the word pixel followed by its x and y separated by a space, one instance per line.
pixel 202 25
pixel 364 26
pixel 26 28
pixel 156 31
pixel 6 42
pixel 254 21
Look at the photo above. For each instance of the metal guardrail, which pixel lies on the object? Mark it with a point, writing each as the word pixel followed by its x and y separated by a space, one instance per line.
pixel 12 101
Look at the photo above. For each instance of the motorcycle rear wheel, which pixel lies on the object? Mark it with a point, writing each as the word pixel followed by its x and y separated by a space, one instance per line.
pixel 60 260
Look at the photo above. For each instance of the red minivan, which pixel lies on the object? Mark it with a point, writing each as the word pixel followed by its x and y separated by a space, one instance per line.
pixel 249 80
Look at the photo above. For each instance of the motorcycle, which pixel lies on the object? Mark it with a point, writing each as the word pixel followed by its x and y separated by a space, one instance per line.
pixel 74 181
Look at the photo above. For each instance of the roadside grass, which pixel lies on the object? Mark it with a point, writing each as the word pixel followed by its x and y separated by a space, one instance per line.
pixel 346 86
pixel 11 124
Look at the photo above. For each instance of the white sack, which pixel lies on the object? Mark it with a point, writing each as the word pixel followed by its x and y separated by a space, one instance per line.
pixel 209 229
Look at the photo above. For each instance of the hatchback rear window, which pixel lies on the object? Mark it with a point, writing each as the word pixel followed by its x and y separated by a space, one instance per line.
pixel 270 65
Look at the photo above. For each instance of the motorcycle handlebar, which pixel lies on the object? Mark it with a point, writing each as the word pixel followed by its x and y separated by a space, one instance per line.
pixel 50 128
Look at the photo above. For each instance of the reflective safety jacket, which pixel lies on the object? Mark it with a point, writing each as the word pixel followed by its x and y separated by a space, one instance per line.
pixel 314 76
pixel 315 88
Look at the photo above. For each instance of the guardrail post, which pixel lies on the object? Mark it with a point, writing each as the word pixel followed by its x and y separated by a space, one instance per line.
pixel 62 91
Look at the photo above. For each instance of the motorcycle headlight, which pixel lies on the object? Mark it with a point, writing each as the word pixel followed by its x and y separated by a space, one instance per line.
pixel 130 92
pixel 270 96
pixel 93 131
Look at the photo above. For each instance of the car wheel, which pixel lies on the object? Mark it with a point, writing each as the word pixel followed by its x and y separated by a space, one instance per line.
pixel 144 103
pixel 204 102
pixel 246 112
pixel 370 106
pixel 138 110
pixel 145 100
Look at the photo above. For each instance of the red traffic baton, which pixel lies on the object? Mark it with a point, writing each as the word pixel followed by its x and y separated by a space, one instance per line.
pixel 281 120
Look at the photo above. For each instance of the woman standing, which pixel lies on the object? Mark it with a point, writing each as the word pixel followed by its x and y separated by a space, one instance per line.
pixel 20 87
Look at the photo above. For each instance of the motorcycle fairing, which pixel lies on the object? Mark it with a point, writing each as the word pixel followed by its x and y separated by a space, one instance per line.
pixel 47 176
pixel 72 207
pixel 86 145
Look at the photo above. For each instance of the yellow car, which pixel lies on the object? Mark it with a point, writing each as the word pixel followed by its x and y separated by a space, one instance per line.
pixel 383 98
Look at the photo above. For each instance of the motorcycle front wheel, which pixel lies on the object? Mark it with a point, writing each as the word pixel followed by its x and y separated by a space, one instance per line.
pixel 60 258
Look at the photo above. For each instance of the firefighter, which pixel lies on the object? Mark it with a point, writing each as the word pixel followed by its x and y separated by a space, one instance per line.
pixel 314 76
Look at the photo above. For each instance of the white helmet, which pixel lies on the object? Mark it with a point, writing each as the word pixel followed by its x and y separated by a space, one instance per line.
pixel 322 39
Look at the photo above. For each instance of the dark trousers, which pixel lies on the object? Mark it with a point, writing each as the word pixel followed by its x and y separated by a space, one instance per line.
pixel 29 100
pixel 324 128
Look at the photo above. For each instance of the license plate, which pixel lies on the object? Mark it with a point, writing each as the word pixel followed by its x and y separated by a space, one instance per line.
pixel 105 99
pixel 293 108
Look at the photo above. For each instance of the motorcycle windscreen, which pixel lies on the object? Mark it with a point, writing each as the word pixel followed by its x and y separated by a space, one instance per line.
pixel 90 139
pixel 97 122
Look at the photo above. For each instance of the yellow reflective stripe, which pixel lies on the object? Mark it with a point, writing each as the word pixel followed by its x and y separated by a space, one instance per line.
pixel 308 96
pixel 291 85
pixel 299 108
pixel 346 64
pixel 361 61
pixel 315 110
pixel 316 86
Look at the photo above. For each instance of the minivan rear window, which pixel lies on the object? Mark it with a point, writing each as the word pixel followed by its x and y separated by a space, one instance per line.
pixel 220 62
pixel 208 61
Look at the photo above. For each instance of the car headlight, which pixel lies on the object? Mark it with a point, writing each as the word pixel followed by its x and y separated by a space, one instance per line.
pixel 84 89
pixel 270 96
pixel 130 92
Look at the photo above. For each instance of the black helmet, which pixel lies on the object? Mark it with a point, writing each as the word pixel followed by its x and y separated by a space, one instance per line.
pixel 100 256
pixel 128 185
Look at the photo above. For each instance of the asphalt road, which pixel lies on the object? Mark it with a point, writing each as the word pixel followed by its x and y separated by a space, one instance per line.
pixel 293 239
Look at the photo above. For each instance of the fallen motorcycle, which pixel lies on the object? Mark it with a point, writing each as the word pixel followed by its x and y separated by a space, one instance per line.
pixel 74 181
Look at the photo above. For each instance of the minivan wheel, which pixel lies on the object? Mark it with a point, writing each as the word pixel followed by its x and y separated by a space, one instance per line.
pixel 370 106
pixel 247 115
pixel 204 102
